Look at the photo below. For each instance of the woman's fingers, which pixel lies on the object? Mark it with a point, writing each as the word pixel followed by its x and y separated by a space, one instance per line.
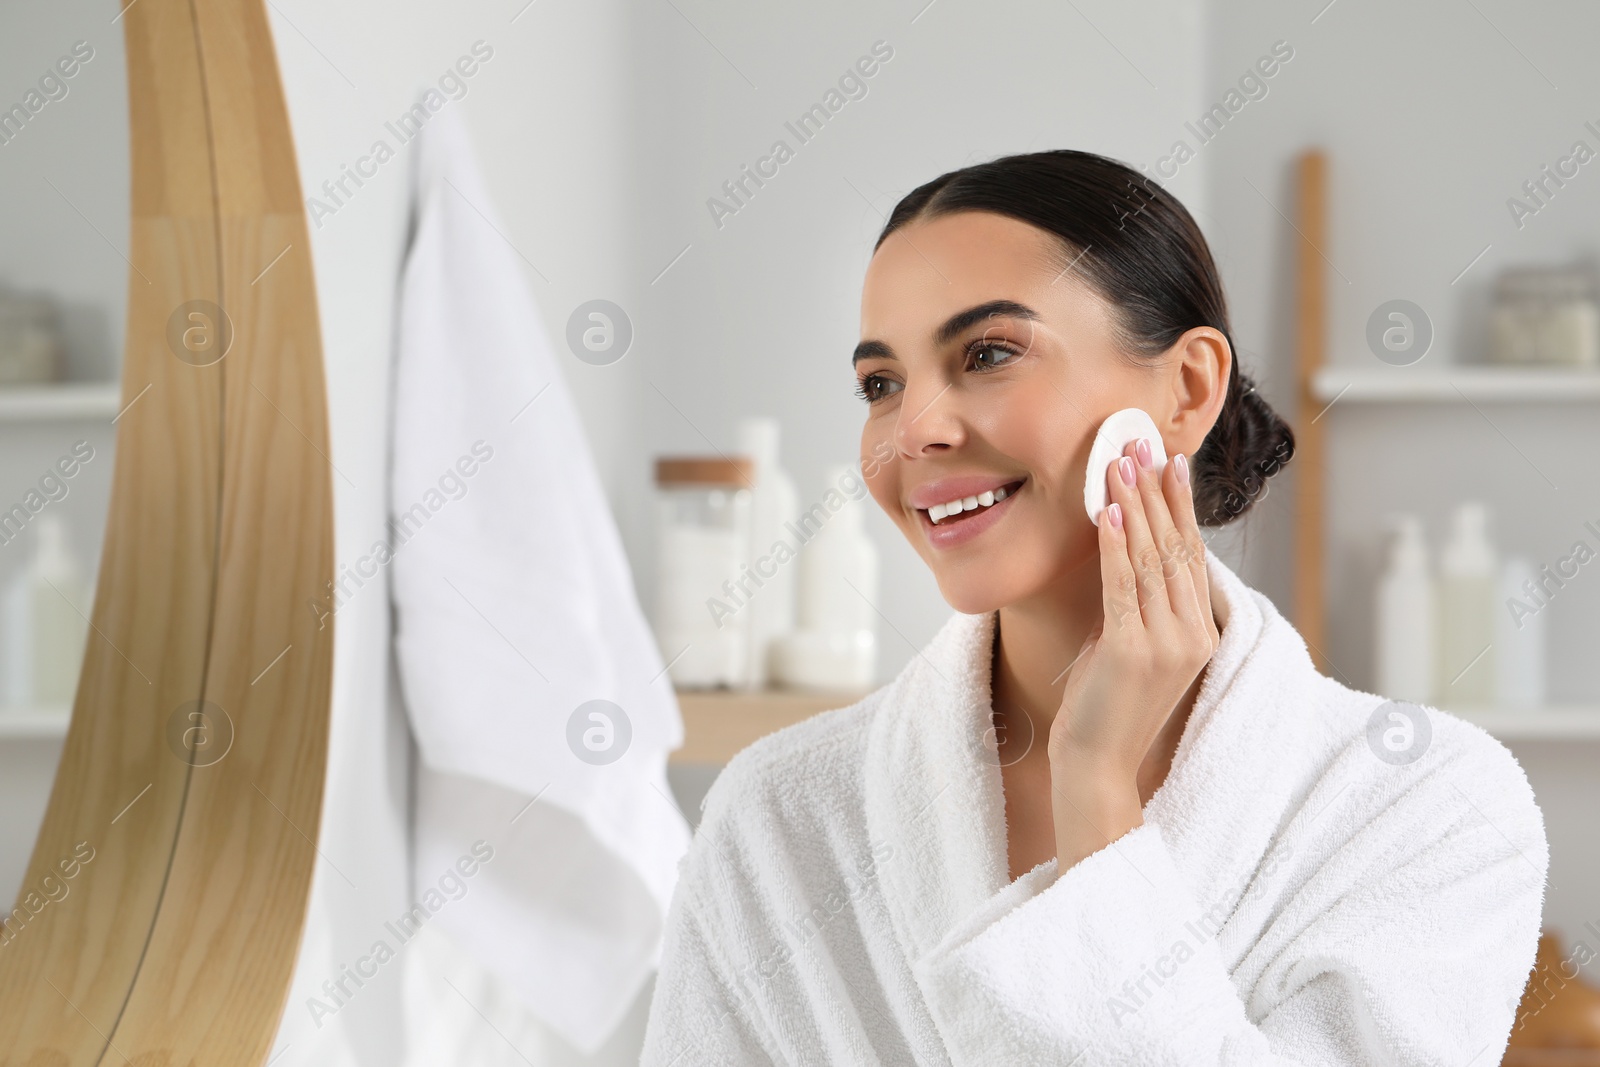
pixel 1180 480
pixel 1119 586
pixel 1156 490
pixel 1123 477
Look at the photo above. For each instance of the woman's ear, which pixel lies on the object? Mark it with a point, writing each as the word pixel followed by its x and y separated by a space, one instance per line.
pixel 1199 365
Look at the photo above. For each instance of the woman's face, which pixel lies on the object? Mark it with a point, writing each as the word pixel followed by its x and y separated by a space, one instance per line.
pixel 988 369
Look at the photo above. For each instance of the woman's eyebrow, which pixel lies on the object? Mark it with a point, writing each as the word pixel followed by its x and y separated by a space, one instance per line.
pixel 958 323
pixel 872 350
pixel 953 327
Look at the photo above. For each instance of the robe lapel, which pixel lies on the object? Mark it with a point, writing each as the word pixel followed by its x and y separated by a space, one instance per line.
pixel 934 791
pixel 1247 753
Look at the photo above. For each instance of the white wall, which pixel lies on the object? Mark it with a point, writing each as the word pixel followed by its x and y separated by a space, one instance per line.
pixel 69 241
pixel 364 874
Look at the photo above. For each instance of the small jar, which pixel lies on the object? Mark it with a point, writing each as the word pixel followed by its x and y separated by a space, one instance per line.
pixel 703 507
pixel 30 340
pixel 1546 315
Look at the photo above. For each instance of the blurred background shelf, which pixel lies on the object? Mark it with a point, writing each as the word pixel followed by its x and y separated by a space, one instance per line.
pixel 1455 384
pixel 1559 723
pixel 718 723
pixel 33 725
pixel 63 400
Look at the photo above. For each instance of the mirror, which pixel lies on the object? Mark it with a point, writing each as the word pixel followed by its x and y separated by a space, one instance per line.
pixel 166 199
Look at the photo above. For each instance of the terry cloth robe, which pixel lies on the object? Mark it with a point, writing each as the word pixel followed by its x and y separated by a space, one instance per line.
pixel 1298 892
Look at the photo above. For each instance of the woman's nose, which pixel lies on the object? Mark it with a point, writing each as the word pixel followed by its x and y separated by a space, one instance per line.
pixel 929 420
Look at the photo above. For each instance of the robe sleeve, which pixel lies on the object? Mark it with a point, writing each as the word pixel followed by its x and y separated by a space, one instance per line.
pixel 698 1014
pixel 1409 945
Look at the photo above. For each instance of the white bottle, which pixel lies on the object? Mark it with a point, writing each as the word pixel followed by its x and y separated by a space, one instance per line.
pixel 774 503
pixel 835 645
pixel 43 625
pixel 1466 604
pixel 1519 639
pixel 60 618
pixel 1405 624
pixel 16 641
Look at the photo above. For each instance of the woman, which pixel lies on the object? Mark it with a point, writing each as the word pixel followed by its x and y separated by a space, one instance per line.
pixel 1111 814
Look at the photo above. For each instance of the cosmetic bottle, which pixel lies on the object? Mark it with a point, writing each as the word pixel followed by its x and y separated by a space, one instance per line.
pixel 1405 625
pixel 60 617
pixel 43 624
pixel 835 645
pixel 16 641
pixel 774 502
pixel 1519 639
pixel 1466 601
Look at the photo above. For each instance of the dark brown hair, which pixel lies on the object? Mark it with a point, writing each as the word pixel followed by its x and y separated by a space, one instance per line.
pixel 1143 253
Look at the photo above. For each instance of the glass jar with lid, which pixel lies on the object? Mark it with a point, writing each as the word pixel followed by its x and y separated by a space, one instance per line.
pixel 1546 315
pixel 703 510
pixel 30 339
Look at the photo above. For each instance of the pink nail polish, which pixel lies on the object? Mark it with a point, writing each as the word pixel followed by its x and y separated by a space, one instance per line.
pixel 1125 465
pixel 1181 463
pixel 1114 514
pixel 1141 451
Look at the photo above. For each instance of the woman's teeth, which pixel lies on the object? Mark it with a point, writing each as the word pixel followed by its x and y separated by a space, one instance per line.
pixel 969 503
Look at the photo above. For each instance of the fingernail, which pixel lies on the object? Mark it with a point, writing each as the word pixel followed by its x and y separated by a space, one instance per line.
pixel 1141 449
pixel 1114 513
pixel 1125 465
pixel 1181 462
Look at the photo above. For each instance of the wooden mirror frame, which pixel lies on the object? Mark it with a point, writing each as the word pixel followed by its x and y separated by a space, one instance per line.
pixel 173 869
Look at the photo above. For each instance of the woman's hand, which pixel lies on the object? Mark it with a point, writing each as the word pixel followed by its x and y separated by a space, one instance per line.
pixel 1156 637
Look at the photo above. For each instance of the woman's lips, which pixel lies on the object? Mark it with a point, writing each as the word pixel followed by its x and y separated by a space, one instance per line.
pixel 959 529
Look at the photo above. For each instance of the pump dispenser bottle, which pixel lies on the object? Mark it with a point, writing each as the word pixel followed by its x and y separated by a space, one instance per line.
pixel 1405 622
pixel 1519 642
pixel 1468 582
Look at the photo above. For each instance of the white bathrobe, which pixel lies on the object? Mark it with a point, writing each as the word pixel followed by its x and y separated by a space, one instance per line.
pixel 1291 898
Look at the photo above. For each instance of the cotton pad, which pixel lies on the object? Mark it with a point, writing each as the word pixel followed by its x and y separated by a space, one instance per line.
pixel 1123 426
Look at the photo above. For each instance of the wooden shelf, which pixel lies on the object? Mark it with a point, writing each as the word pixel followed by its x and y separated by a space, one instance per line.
pixel 63 400
pixel 1454 384
pixel 718 723
pixel 33 725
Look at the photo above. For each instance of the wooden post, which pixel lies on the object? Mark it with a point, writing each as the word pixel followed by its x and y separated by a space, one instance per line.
pixel 1311 209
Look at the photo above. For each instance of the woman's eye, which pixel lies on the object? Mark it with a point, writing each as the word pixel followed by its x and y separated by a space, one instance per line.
pixel 874 387
pixel 997 355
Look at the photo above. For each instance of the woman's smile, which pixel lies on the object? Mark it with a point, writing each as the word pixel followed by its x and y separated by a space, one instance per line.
pixel 953 511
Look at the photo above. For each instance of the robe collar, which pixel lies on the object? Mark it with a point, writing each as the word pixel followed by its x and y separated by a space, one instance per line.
pixel 934 791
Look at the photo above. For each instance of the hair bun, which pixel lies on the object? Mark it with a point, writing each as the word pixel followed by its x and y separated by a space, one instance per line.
pixel 1247 446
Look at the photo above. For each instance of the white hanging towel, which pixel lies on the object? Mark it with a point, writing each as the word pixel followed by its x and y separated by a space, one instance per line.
pixel 515 606
pixel 1301 892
